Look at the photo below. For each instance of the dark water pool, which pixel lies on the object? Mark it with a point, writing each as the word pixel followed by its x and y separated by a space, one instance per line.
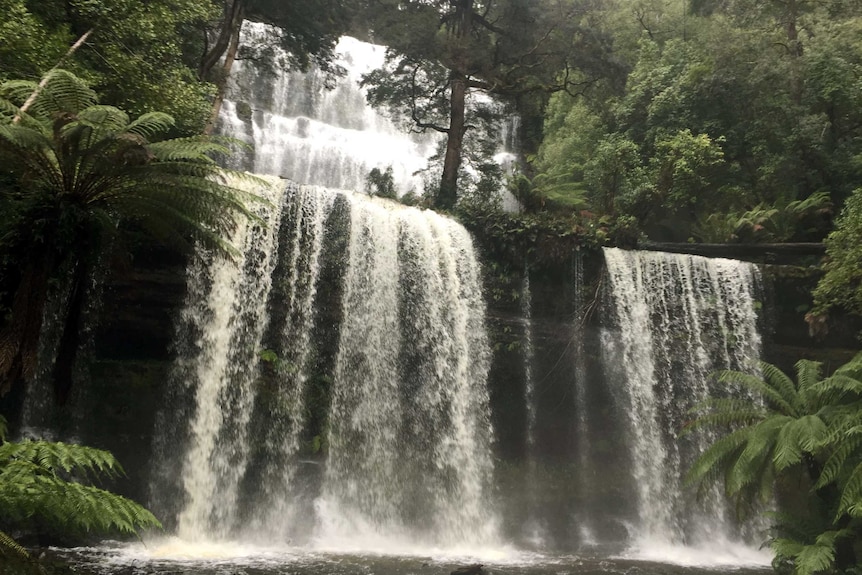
pixel 177 558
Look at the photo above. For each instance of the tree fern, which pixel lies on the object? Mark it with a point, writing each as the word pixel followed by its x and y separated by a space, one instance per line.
pixel 75 172
pixel 36 485
pixel 812 428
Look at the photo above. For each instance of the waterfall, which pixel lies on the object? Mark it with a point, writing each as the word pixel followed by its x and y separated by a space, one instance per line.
pixel 225 307
pixel 677 318
pixel 409 433
pixel 312 135
pixel 338 367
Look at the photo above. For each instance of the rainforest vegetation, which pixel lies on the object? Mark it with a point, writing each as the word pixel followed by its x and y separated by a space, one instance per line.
pixel 702 121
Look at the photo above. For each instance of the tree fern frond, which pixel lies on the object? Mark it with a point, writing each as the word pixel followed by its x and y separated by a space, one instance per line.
pixel 14 137
pixel 851 493
pixel 192 149
pixel 716 457
pixel 14 553
pixel 151 124
pixel 838 459
pixel 61 92
pixel 723 418
pixel 852 368
pixel 773 396
pixel 786 548
pixel 838 386
pixel 780 381
pixel 67 457
pixel 808 373
pixel 95 125
pixel 816 558
pixel 757 452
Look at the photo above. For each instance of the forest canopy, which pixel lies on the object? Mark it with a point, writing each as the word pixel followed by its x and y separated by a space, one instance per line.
pixel 707 121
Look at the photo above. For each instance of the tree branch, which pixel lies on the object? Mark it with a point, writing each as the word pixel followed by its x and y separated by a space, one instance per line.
pixel 32 98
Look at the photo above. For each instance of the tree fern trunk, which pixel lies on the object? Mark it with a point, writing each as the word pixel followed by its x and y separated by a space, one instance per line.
pixel 19 338
pixel 67 350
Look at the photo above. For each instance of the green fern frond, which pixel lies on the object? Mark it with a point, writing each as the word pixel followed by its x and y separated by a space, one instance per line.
pixel 808 374
pixel 773 396
pixel 54 456
pixel 780 381
pixel 62 92
pixel 786 548
pixel 852 368
pixel 838 386
pixel 10 547
pixel 728 418
pixel 758 451
pixel 27 492
pixel 711 463
pixel 813 559
pixel 151 125
pixel 849 444
pixel 193 149
pixel 851 494
pixel 16 559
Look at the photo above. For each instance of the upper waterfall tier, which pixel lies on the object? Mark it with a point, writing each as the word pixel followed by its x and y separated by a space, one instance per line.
pixel 304 132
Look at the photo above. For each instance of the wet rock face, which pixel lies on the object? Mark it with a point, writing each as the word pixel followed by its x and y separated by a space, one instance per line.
pixel 133 351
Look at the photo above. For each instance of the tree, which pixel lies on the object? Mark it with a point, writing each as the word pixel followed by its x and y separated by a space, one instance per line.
pixel 802 435
pixel 139 56
pixel 308 33
pixel 36 489
pixel 841 285
pixel 73 174
pixel 441 52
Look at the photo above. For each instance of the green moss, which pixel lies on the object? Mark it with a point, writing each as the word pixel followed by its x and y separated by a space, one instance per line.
pixel 244 111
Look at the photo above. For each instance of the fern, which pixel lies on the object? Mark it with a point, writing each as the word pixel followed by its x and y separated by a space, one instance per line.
pixel 772 395
pixel 36 484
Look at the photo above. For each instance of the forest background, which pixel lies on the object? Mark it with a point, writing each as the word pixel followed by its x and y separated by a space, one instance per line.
pixel 683 120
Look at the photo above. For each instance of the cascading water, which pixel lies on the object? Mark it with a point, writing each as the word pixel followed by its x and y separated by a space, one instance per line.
pixel 311 135
pixel 224 306
pixel 407 426
pixel 677 319
pixel 409 432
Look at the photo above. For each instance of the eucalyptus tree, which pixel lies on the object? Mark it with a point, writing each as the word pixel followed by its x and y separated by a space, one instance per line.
pixel 74 174
pixel 441 51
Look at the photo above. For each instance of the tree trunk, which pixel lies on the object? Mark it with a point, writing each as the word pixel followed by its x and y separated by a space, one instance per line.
pixel 460 29
pixel 452 161
pixel 229 59
pixel 19 338
pixel 67 349
pixel 234 13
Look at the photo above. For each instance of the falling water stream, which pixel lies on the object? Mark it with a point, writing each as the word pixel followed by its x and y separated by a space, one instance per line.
pixel 676 319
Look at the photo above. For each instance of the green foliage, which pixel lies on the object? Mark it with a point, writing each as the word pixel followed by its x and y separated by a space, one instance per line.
pixel 717 134
pixel 74 173
pixel 141 56
pixel 806 433
pixel 841 286
pixel 41 486
pixel 381 183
